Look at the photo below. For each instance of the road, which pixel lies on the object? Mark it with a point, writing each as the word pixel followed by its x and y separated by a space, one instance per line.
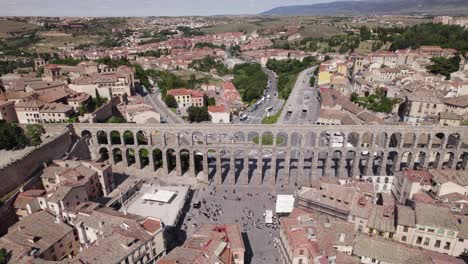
pixel 255 116
pixel 303 105
pixel 154 99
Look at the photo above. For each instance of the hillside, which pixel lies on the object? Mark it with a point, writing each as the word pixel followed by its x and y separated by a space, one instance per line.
pixel 370 7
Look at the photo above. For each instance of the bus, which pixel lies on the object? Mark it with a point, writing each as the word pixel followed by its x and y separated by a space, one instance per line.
pixel 269 109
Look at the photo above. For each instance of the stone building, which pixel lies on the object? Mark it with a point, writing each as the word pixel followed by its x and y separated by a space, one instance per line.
pixel 7 112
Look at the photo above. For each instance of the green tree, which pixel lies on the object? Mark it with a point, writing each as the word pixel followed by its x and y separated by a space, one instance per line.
pixel 99 101
pixel 116 119
pixel 170 101
pixel 312 81
pixel 444 66
pixel 250 81
pixel 365 33
pixel 198 114
pixel 3 256
pixel 34 133
pixel 12 136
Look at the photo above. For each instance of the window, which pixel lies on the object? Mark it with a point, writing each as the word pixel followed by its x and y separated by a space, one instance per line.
pixel 427 241
pixel 419 240
pixel 440 231
pixel 437 244
pixel 403 238
pixel 405 229
pixel 461 240
pixel 447 245
pixel 450 233
pixel 301 252
pixel 430 230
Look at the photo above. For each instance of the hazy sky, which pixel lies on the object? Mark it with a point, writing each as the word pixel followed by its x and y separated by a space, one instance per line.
pixel 140 7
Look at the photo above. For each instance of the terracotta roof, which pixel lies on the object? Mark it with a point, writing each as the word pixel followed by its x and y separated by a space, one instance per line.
pixel 217 109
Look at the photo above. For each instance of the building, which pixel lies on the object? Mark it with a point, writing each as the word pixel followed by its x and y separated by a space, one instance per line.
pixel 40 235
pixel 27 202
pixel 56 113
pixel 161 202
pixel 7 112
pixel 219 114
pixel 28 112
pixel 186 97
pixel 382 184
pixel 211 244
pixel 108 236
pixel 409 182
pixel 422 104
pixel 331 69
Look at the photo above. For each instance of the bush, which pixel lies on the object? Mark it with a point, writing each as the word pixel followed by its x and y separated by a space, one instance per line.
pixel 198 114
pixel 250 81
pixel 170 101
pixel 12 136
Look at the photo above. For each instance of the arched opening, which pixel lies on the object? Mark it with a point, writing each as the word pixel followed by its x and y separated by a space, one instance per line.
pixel 184 160
pixel 117 155
pixel 336 163
pixel 393 158
pixel 381 140
pixel 353 139
pixel 296 139
pixel 322 163
pixel 367 140
pixel 462 162
pixel 351 161
pixel 406 159
pixel 395 140
pixel 324 139
pixel 103 154
pixel 423 141
pixel 141 138
pixel 102 137
pixel 282 139
pixel 115 138
pixel 128 138
pixel 448 160
pixel 453 141
pixel 253 137
pixel 184 138
pixel 86 134
pixel 377 163
pixel 438 140
pixel 434 159
pixel 144 157
pixel 267 139
pixel 198 161
pixel 198 139
pixel 310 139
pixel 130 154
pixel 156 138
pixel 171 159
pixel 420 161
pixel 409 140
pixel 157 159
pixel 238 137
pixel 171 139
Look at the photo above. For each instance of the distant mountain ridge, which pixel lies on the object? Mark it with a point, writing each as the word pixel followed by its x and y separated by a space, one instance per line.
pixel 369 7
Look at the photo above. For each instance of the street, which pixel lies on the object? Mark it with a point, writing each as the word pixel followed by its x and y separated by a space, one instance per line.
pixel 154 99
pixel 302 106
pixel 256 115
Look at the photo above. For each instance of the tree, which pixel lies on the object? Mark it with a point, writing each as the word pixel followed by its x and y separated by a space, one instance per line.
pixel 444 66
pixel 192 81
pixel 365 33
pixel 170 101
pixel 116 119
pixel 198 114
pixel 98 99
pixel 12 136
pixel 3 256
pixel 312 81
pixel 34 133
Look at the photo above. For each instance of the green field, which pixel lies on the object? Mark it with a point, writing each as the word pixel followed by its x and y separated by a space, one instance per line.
pixel 9 28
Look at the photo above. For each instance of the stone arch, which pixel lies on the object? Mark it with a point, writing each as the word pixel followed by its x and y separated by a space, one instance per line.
pixel 86 133
pixel 282 139
pixel 448 160
pixel 170 139
pixel 434 160
pixel 101 137
pixel 171 159
pixel 453 141
pixel 462 161
pixel 310 139
pixel 115 138
pixel 103 154
pixel 409 140
pixel 395 140
pixel 143 154
pixel 142 139
pixel 198 161
pixel 129 139
pixel 393 157
pixel 353 139
pixel 155 137
pixel 253 136
pixel 438 140
pixel 324 139
pixel 350 162
pixel 130 155
pixel 117 155
pixel 323 162
pixel 336 160
pixel 381 139
pixel 198 138
pixel 184 138
pixel 366 139
pixel 296 139
pixel 158 161
pixel 423 140
pixel 406 159
pixel 377 163
pixel 239 136
pixel 268 139
pixel 420 160
pixel 185 161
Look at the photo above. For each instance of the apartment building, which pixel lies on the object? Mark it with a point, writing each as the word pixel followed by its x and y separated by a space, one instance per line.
pixel 56 113
pixel 409 182
pixel 40 235
pixel 186 97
